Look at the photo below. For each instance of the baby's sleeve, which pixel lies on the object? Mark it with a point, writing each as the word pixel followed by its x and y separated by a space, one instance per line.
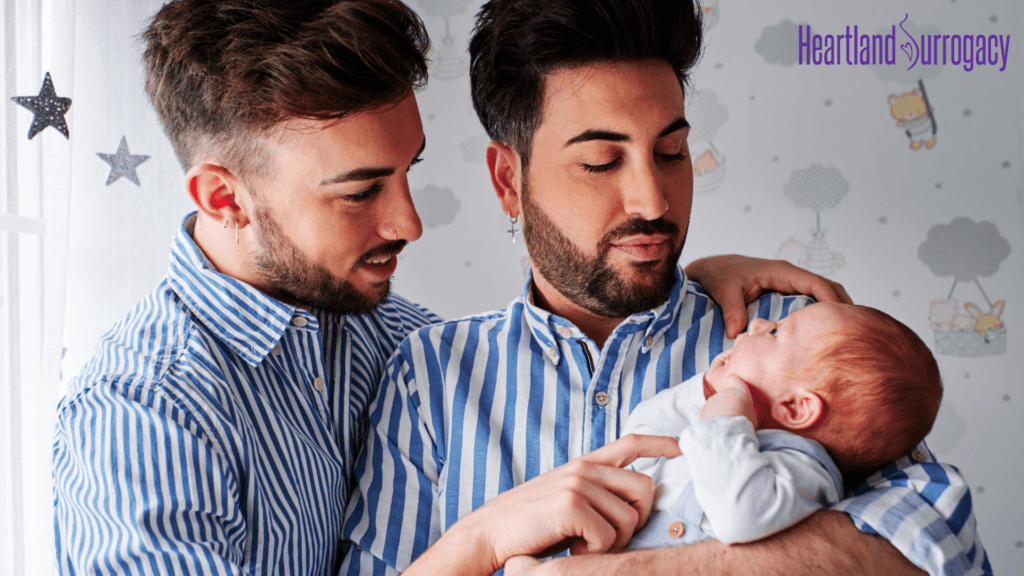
pixel 753 485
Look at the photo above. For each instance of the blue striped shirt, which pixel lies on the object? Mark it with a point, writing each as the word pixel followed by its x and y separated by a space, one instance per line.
pixel 473 407
pixel 216 429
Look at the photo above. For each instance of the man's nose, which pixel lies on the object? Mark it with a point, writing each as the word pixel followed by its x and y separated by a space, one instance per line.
pixel 400 221
pixel 644 193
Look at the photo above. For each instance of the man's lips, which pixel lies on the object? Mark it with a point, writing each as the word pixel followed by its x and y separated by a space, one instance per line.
pixel 381 255
pixel 643 246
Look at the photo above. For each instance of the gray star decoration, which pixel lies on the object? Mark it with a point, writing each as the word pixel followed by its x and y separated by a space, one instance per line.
pixel 49 109
pixel 122 163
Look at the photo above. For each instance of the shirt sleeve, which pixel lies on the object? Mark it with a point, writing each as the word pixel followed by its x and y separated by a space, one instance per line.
pixel 140 489
pixel 924 508
pixel 747 491
pixel 394 516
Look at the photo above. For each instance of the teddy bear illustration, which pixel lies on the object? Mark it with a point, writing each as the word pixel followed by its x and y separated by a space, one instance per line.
pixel 705 163
pixel 943 317
pixel 984 322
pixel 912 113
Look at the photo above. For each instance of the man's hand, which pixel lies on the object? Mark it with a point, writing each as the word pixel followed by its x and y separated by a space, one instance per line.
pixel 590 504
pixel 734 280
pixel 732 400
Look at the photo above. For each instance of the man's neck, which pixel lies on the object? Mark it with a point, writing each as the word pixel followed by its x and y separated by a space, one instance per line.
pixel 547 297
pixel 228 258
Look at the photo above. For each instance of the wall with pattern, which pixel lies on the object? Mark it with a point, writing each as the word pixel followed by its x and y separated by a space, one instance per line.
pixel 905 186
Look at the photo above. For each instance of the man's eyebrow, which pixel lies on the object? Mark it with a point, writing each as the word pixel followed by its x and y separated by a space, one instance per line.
pixel 609 136
pixel 596 135
pixel 677 124
pixel 360 174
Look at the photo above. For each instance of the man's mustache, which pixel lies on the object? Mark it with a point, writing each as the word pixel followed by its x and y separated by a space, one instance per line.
pixel 387 249
pixel 639 226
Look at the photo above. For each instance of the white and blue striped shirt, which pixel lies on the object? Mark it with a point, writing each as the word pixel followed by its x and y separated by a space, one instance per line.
pixel 216 429
pixel 473 407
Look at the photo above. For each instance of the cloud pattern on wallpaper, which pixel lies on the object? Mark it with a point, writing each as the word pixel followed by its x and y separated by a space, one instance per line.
pixel 778 43
pixel 967 251
pixel 816 188
pixel 706 115
pixel 436 206
pixel 472 148
pixel 915 116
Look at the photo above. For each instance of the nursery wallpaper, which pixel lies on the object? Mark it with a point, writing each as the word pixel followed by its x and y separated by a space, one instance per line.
pixel 876 143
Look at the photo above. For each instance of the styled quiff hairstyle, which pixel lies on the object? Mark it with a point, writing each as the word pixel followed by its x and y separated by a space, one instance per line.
pixel 517 42
pixel 882 389
pixel 223 73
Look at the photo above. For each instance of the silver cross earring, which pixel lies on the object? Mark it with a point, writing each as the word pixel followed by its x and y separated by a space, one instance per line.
pixel 513 230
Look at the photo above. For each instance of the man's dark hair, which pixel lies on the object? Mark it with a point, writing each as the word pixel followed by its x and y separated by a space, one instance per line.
pixel 517 42
pixel 222 73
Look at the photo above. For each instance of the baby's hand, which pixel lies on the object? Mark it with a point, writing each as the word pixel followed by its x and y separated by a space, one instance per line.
pixel 732 400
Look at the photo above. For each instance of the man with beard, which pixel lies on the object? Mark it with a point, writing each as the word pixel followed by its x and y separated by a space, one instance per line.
pixel 494 436
pixel 216 429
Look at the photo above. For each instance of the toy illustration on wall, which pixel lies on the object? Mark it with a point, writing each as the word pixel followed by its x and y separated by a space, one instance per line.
pixel 817 188
pixel 450 61
pixel 966 251
pixel 915 116
pixel 706 115
pixel 709 8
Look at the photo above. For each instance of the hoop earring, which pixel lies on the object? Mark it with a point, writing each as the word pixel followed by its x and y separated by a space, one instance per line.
pixel 513 230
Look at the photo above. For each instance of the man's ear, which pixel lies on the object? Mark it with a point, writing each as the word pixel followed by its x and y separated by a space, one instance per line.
pixel 800 410
pixel 506 176
pixel 216 192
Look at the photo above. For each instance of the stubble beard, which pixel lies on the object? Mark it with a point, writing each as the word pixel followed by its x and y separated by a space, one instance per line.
pixel 299 280
pixel 592 282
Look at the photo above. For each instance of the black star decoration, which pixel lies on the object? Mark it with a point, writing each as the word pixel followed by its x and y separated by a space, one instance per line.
pixel 49 109
pixel 122 163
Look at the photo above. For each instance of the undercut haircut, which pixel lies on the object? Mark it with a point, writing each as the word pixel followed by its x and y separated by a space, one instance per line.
pixel 882 390
pixel 223 73
pixel 516 43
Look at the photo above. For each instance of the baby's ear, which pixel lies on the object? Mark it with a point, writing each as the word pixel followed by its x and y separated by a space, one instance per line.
pixel 800 410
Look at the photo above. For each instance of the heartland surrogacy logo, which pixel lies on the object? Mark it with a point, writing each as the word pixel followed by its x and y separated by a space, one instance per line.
pixel 967 50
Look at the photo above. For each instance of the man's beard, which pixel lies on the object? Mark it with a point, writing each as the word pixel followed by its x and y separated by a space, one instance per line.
pixel 299 280
pixel 592 282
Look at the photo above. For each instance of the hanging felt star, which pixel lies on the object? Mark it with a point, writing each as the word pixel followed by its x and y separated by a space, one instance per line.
pixel 49 109
pixel 122 163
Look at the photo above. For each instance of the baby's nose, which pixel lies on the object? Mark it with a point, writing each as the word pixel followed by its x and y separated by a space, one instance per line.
pixel 760 326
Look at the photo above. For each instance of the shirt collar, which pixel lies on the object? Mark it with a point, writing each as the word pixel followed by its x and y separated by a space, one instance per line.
pixel 544 325
pixel 244 318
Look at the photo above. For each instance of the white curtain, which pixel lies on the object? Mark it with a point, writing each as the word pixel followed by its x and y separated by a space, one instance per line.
pixel 38 38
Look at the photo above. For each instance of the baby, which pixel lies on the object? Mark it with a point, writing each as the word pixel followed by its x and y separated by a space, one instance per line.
pixel 834 392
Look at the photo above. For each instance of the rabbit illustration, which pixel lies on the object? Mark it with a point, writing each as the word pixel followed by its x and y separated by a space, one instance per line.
pixel 985 322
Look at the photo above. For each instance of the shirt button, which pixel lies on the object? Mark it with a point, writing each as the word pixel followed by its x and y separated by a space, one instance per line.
pixel 565 332
pixel 676 529
pixel 649 341
pixel 601 398
pixel 919 455
pixel 553 352
pixel 300 321
pixel 318 384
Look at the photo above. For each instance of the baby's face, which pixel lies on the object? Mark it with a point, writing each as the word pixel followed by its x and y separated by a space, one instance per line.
pixel 775 357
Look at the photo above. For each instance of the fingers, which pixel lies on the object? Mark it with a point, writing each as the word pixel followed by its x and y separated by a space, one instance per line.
pixel 623 497
pixel 841 292
pixel 521 566
pixel 625 450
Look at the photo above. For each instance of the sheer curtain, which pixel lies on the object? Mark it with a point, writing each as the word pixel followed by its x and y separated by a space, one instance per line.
pixel 38 38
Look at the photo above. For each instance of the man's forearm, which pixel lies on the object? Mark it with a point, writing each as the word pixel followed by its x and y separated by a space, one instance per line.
pixel 826 543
